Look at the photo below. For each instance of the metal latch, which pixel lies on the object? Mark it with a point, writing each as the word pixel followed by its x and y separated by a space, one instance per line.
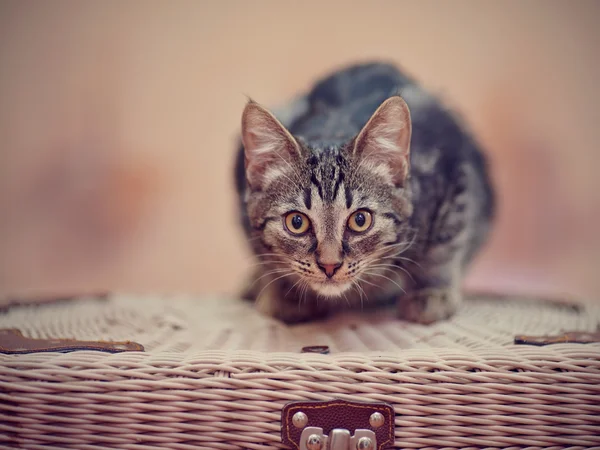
pixel 337 425
pixel 312 438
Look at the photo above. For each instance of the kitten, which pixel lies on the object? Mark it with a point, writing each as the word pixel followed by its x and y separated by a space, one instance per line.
pixel 369 192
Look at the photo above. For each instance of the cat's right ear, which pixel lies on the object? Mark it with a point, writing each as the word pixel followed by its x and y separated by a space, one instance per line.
pixel 270 149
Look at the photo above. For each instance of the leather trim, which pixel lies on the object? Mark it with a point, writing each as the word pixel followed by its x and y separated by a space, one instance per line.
pixel 12 341
pixel 338 414
pixel 570 337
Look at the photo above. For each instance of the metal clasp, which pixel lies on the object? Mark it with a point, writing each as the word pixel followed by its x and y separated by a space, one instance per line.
pixel 312 438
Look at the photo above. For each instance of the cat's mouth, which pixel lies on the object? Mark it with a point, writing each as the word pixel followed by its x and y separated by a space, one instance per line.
pixel 330 288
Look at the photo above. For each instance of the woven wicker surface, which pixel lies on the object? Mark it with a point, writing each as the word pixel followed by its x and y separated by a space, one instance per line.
pixel 216 374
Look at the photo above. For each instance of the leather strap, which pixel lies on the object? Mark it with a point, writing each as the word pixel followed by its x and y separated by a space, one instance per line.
pixel 334 414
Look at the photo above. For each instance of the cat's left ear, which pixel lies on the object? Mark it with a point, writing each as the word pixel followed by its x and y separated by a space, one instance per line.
pixel 383 145
pixel 270 149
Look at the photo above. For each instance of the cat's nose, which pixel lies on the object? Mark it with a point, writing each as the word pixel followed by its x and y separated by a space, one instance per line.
pixel 329 268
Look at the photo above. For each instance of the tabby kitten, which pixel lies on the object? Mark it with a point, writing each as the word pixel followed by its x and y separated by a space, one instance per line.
pixel 366 191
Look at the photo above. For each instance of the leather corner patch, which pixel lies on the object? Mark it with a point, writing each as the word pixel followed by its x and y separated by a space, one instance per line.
pixel 570 337
pixel 12 341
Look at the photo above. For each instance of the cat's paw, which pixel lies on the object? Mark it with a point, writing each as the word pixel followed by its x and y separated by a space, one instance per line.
pixel 426 306
pixel 289 310
pixel 297 316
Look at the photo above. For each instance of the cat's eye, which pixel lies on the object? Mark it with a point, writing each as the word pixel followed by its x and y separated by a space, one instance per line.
pixel 360 221
pixel 297 223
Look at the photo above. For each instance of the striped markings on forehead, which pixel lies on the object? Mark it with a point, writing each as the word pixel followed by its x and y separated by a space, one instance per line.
pixel 327 169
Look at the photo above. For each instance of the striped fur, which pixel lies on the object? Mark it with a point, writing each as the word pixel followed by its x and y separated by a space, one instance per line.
pixel 352 146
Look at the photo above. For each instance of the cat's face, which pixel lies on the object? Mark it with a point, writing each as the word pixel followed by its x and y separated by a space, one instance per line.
pixel 328 218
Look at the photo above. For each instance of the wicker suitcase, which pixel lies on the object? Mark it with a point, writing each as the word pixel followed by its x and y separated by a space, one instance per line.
pixel 216 374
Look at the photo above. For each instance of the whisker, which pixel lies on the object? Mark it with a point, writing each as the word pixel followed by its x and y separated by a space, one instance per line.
pixel 409 260
pixel 362 306
pixel 347 301
pixel 408 244
pixel 394 266
pixel 271 272
pixel 364 292
pixel 383 254
pixel 277 259
pixel 260 255
pixel 368 282
pixel 273 281
pixel 346 297
pixel 304 292
pixel 293 286
pixel 264 263
pixel 386 250
pixel 397 244
pixel 387 278
pixel 300 290
pixel 355 286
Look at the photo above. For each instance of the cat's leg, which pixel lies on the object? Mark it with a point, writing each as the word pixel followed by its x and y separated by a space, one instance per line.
pixel 448 235
pixel 435 294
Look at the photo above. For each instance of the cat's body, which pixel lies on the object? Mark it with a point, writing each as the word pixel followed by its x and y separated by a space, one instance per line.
pixel 385 222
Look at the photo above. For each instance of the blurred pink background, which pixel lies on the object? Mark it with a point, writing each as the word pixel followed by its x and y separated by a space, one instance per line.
pixel 118 123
